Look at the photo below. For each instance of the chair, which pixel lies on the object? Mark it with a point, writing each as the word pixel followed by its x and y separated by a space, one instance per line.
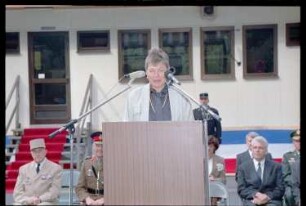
pixel 65 187
pixel 218 189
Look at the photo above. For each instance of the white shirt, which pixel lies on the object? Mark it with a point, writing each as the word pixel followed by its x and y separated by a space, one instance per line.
pixel 210 165
pixel 262 165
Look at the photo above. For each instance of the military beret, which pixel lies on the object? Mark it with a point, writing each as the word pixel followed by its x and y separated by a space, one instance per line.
pixel 295 135
pixel 97 137
pixel 204 95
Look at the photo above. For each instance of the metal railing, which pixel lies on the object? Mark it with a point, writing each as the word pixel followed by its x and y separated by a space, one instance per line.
pixel 81 130
pixel 15 112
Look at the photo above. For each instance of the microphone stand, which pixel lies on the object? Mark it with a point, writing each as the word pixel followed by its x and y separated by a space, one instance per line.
pixel 71 129
pixel 205 134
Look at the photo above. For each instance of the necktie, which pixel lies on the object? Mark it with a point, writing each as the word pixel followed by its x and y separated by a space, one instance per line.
pixel 37 168
pixel 259 170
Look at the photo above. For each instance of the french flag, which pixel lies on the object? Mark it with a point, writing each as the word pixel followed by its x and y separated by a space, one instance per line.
pixel 233 143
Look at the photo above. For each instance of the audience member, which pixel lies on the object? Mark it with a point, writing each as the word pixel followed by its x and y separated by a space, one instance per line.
pixel 247 155
pixel 260 181
pixel 39 181
pixel 216 166
pixel 295 173
pixel 90 186
pixel 288 159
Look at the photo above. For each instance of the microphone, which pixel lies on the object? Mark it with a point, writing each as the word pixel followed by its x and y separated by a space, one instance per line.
pixel 135 75
pixel 169 76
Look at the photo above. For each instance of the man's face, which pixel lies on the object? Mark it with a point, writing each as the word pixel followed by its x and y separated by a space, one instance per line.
pixel 248 142
pixel 204 100
pixel 38 154
pixel 98 149
pixel 258 150
pixel 156 76
pixel 297 144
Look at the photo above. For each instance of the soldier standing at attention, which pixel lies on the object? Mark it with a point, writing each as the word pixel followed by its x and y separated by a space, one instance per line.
pixel 288 159
pixel 213 126
pixel 90 187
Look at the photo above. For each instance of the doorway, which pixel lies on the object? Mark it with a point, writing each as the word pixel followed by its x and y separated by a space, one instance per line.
pixel 49 77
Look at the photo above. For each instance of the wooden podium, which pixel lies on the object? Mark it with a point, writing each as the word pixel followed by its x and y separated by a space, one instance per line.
pixel 154 163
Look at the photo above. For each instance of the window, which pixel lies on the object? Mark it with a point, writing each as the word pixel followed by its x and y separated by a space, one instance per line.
pixel 260 50
pixel 133 50
pixel 12 43
pixel 293 34
pixel 177 43
pixel 217 53
pixel 93 41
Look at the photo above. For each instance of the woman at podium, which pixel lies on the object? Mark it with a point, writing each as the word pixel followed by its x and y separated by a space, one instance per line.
pixel 157 101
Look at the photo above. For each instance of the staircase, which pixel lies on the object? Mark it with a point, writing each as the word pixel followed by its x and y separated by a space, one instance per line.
pixel 54 146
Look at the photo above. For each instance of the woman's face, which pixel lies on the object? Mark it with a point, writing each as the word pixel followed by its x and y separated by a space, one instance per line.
pixel 156 76
pixel 211 150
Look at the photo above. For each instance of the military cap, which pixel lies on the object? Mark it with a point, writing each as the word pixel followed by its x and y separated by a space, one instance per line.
pixel 97 137
pixel 295 135
pixel 203 95
pixel 37 143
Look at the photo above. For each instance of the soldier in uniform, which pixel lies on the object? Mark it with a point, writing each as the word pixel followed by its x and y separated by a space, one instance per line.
pixel 39 181
pixel 90 187
pixel 213 126
pixel 288 159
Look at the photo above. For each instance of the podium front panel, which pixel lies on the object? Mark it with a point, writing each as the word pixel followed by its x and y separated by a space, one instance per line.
pixel 153 163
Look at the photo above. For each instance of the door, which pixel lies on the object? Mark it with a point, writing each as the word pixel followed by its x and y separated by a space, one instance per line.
pixel 49 77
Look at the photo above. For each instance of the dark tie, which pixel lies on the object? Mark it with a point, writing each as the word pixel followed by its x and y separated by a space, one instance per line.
pixel 37 168
pixel 259 170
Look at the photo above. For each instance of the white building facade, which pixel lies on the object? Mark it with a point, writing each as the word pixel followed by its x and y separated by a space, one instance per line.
pixel 263 102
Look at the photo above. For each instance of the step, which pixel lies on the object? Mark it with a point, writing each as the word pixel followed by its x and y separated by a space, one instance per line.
pixel 59 138
pixel 10 184
pixel 54 146
pixel 27 155
pixel 42 131
pixel 13 137
pixel 11 174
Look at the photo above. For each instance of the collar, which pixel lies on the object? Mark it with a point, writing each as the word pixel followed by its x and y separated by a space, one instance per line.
pixel 262 162
pixel 41 163
pixel 164 91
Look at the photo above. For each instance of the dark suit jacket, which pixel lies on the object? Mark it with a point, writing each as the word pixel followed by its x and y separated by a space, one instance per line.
pixel 249 183
pixel 296 181
pixel 213 126
pixel 245 157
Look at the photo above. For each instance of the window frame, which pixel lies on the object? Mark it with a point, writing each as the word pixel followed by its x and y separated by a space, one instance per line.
pixel 121 56
pixel 231 74
pixel 161 31
pixel 246 28
pixel 17 49
pixel 81 48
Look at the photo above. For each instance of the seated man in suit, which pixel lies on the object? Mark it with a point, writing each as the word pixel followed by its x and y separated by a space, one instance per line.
pixel 247 155
pixel 260 181
pixel 39 181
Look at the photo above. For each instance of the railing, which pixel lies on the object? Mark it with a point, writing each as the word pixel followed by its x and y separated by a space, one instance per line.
pixel 81 130
pixel 15 111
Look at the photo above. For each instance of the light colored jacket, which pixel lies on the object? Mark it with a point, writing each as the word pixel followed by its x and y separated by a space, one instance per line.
pixel 46 184
pixel 138 101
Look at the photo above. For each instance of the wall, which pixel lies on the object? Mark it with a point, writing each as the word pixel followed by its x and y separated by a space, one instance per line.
pixel 267 103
